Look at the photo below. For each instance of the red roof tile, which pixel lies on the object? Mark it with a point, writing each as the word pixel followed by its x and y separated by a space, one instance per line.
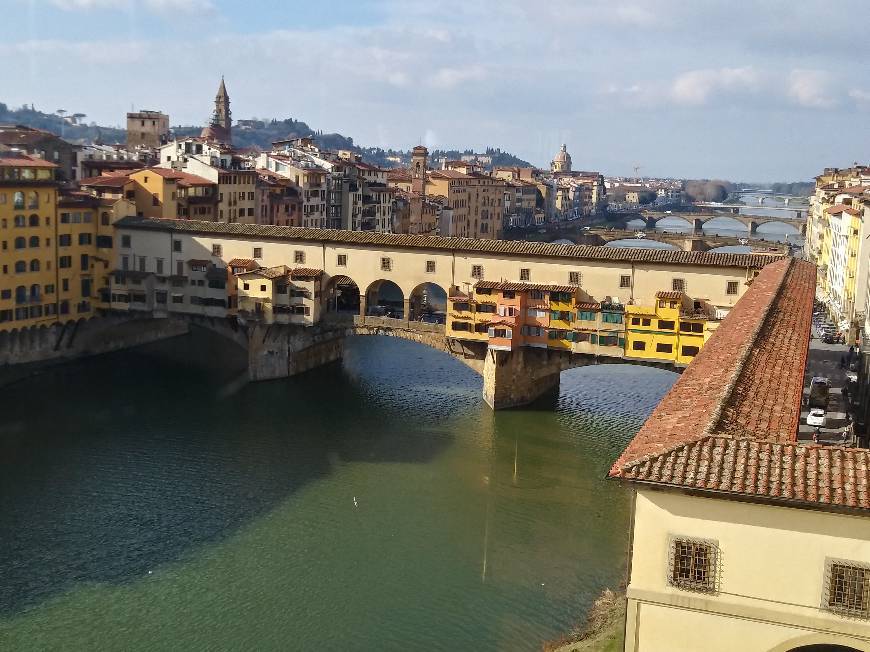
pixel 670 296
pixel 836 209
pixel 302 273
pixel 729 423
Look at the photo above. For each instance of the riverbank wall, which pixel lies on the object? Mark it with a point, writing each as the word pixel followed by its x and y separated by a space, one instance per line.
pixel 28 351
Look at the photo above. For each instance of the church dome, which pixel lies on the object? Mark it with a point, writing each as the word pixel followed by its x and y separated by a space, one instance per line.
pixel 562 160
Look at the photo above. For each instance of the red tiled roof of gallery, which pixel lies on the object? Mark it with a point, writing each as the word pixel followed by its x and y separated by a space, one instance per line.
pixel 729 424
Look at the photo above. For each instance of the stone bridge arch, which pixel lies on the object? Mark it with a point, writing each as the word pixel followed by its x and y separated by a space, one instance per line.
pixel 386 298
pixel 427 300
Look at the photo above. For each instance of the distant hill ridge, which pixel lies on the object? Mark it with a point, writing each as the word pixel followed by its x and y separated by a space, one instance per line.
pixel 256 136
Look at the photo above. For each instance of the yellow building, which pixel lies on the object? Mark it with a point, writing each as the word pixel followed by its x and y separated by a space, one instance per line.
pixel 28 223
pixel 673 329
pixel 476 201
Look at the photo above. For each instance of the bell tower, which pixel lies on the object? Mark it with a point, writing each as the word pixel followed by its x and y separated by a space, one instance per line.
pixel 222 116
pixel 419 156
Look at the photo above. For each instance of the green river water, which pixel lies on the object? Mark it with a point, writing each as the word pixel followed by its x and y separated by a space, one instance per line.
pixel 148 501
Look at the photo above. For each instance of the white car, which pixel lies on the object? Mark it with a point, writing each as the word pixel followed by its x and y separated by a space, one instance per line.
pixel 816 417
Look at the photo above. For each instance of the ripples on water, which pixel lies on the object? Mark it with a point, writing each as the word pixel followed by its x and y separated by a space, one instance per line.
pixel 149 501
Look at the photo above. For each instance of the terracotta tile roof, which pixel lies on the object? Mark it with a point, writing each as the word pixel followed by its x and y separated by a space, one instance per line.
pixel 265 232
pixel 588 305
pixel 106 181
pixel 10 159
pixel 670 296
pixel 836 209
pixel 268 272
pixel 729 423
pixel 855 190
pixel 247 263
pixel 522 287
pixel 301 273
pixel 187 179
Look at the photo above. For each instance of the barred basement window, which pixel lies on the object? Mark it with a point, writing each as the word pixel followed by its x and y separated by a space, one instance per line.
pixel 386 265
pixel 525 274
pixel 693 564
pixel 625 281
pixel 847 588
pixel 678 285
pixel 573 278
pixel 342 260
pixel 477 271
pixel 299 257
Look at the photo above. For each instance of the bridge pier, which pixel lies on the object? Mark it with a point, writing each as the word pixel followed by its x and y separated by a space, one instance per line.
pixel 650 222
pixel 697 226
pixel 515 378
pixel 753 227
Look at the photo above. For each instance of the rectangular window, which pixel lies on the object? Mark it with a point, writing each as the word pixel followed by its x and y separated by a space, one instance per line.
pixel 664 348
pixel 85 262
pixel 731 288
pixel 142 263
pixel 625 281
pixel 299 257
pixel 847 588
pixel 573 278
pixel 64 262
pixel 176 246
pixel 386 265
pixel 86 287
pixel 342 260
pixel 666 325
pixel 678 285
pixel 430 266
pixel 477 271
pixel 611 317
pixel 217 250
pixel 84 238
pixel 525 274
pixel 644 322
pixel 638 345
pixel 690 351
pixel 692 564
pixel 158 265
pixel 258 252
pixel 64 240
pixel 125 241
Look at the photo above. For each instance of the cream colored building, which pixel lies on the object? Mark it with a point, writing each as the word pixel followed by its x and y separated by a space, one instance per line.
pixel 742 536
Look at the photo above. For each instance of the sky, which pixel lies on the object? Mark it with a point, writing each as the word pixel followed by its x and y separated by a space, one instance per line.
pixel 750 90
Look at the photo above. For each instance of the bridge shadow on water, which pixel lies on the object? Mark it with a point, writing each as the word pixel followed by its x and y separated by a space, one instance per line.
pixel 113 466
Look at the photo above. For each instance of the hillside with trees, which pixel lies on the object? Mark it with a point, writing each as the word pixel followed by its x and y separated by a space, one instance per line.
pixel 256 133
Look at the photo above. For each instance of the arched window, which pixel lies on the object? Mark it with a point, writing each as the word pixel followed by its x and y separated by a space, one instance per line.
pixel 21 294
pixel 33 220
pixel 34 265
pixel 18 200
pixel 34 241
pixel 32 199
pixel 20 266
pixel 20 242
pixel 20 220
pixel 34 292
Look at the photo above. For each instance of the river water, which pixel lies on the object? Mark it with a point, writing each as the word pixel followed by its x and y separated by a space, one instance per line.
pixel 150 501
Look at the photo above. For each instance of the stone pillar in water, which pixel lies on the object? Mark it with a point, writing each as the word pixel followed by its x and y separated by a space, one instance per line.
pixel 515 378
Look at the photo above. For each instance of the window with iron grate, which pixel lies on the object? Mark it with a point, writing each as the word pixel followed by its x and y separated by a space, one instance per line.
pixel 847 588
pixel 693 564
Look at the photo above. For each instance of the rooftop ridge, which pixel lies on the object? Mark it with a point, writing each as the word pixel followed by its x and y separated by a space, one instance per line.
pixel 534 249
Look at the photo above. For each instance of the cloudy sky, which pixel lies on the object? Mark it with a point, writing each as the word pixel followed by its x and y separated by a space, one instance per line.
pixel 746 90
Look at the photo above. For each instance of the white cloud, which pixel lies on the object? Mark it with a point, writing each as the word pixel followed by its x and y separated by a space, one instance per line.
pixel 698 87
pixel 862 97
pixel 155 6
pixel 811 88
pixel 447 78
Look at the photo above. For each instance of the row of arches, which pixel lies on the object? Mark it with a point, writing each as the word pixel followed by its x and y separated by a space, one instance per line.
pixel 30 200
pixel 22 221
pixel 22 242
pixel 384 298
pixel 21 266
pixel 723 222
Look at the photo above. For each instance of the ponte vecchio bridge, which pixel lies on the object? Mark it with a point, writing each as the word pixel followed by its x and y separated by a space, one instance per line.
pixel 388 273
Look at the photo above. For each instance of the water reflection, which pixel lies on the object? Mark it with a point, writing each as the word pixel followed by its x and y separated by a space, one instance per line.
pixel 370 504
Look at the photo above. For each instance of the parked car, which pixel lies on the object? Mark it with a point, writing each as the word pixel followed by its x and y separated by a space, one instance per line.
pixel 816 417
pixel 819 389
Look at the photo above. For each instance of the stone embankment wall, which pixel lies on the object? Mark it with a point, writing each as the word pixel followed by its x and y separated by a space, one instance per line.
pixel 28 350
